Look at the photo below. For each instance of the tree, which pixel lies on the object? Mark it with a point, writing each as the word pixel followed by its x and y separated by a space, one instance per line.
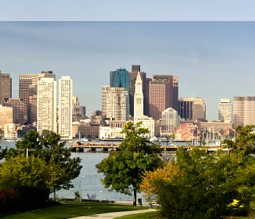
pixel 124 169
pixel 31 178
pixel 49 148
pixel 207 185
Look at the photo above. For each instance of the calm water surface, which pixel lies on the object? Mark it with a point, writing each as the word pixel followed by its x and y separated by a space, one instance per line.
pixel 88 184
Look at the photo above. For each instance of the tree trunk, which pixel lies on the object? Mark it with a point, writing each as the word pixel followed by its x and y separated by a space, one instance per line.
pixel 134 199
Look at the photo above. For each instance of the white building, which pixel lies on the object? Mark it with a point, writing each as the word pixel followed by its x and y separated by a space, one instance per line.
pixel 225 110
pixel 138 98
pixel 46 105
pixel 115 103
pixel 148 123
pixel 169 121
pixel 65 92
pixel 10 131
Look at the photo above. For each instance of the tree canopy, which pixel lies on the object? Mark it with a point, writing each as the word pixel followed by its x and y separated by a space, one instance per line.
pixel 52 151
pixel 124 169
pixel 199 184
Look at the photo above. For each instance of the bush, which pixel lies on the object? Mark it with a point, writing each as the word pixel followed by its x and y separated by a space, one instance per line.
pixel 8 201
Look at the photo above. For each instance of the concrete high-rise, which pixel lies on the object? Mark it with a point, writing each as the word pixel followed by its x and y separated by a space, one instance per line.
pixel 244 111
pixel 46 105
pixel 138 98
pixel 115 103
pixel 159 95
pixel 225 110
pixel 132 77
pixel 192 108
pixel 65 92
pixel 5 86
pixel 18 106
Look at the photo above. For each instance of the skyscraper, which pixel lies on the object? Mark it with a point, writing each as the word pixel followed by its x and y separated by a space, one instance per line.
pixel 65 107
pixel 46 105
pixel 28 88
pixel 119 78
pixel 192 108
pixel 138 98
pixel 225 110
pixel 5 86
pixel 18 106
pixel 159 95
pixel 115 103
pixel 132 78
pixel 244 108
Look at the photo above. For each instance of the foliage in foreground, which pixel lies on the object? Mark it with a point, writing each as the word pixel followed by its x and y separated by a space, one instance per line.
pixel 202 185
pixel 124 169
pixel 49 167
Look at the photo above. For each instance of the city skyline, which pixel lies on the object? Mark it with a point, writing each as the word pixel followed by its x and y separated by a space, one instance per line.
pixel 213 60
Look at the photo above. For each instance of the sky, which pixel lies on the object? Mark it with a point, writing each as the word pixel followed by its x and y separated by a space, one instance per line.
pixel 212 53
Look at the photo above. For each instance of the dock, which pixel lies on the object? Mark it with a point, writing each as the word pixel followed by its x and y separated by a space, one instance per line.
pixel 114 146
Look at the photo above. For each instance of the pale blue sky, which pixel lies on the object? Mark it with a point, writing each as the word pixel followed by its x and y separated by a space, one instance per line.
pixel 213 59
pixel 132 10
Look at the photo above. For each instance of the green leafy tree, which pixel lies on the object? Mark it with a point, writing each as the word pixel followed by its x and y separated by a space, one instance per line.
pixel 49 148
pixel 31 178
pixel 124 169
pixel 208 185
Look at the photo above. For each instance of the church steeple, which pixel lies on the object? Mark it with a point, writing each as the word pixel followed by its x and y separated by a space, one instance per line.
pixel 138 97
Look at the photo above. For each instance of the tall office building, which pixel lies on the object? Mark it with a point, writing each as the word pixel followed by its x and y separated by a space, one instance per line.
pixel 115 103
pixel 46 105
pixel 132 77
pixel 138 98
pixel 244 111
pixel 159 95
pixel 65 92
pixel 225 110
pixel 28 88
pixel 18 106
pixel 5 86
pixel 175 92
pixel 119 78
pixel 192 108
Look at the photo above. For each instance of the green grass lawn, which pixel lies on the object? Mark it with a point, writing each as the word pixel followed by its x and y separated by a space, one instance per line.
pixel 68 210
pixel 148 215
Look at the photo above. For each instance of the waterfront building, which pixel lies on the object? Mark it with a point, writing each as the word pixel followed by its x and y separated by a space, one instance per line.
pixel 85 130
pixel 5 86
pixel 112 131
pixel 6 117
pixel 169 121
pixel 115 103
pixel 244 111
pixel 65 92
pixel 192 108
pixel 147 123
pixel 18 106
pixel 132 77
pixel 225 110
pixel 46 105
pixel 10 131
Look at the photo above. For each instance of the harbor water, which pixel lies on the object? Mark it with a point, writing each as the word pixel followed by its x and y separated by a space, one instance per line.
pixel 88 184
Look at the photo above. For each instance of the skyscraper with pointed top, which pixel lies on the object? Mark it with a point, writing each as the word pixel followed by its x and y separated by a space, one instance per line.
pixel 138 97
